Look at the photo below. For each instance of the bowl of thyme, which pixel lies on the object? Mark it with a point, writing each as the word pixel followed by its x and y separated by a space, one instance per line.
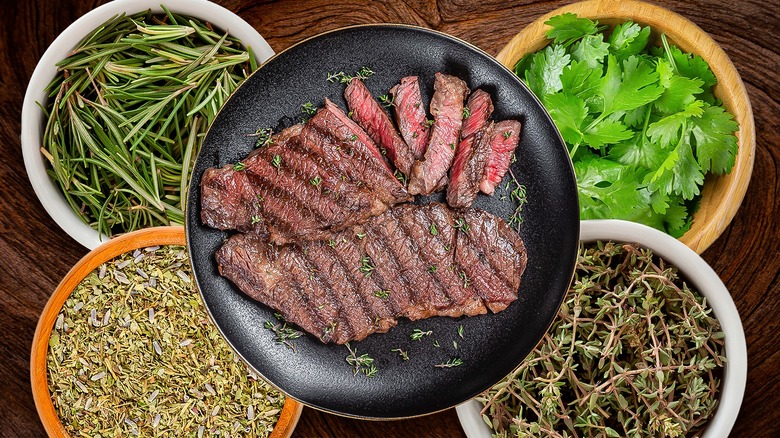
pixel 125 347
pixel 648 342
pixel 118 105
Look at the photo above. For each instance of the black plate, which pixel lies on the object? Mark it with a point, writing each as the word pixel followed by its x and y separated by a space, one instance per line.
pixel 492 345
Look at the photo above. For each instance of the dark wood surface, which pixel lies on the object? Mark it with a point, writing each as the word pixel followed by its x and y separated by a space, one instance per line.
pixel 35 254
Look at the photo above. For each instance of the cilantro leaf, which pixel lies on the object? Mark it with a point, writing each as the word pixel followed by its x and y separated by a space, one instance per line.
pixel 607 189
pixel 634 86
pixel 578 79
pixel 716 145
pixel 568 27
pixel 638 152
pixel 568 112
pixel 679 173
pixel 544 74
pixel 606 132
pixel 628 39
pixel 679 91
pixel 591 50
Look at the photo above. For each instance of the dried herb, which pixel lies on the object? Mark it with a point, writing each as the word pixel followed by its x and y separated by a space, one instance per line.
pixel 133 353
pixel 634 352
pixel 127 113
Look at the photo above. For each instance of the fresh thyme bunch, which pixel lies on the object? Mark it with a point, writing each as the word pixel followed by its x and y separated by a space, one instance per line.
pixel 633 353
pixel 127 113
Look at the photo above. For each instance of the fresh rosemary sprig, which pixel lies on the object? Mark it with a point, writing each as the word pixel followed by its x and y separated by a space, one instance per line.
pixel 127 113
pixel 633 352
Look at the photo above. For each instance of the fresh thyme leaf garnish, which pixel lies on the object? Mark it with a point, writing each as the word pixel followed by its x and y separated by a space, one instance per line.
pixel 418 334
pixel 284 334
pixel 239 166
pixel 456 362
pixel 382 293
pixel 404 355
pixel 466 112
pixel 386 101
pixel 460 224
pixel 403 179
pixel 367 266
pixel 276 161
pixel 264 137
pixel 308 108
pixel 434 231
pixel 315 181
pixel 363 73
pixel 460 331
pixel 360 364
pixel 518 195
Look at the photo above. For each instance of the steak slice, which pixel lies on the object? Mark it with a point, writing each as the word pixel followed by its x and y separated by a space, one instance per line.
pixel 373 119
pixel 411 261
pixel 469 164
pixel 503 142
pixel 410 115
pixel 304 186
pixel 429 175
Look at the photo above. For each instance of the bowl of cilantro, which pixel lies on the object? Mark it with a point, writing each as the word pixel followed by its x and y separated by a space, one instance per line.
pixel 657 120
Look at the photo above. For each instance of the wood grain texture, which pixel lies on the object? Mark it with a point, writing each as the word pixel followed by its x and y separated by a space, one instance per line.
pixel 35 255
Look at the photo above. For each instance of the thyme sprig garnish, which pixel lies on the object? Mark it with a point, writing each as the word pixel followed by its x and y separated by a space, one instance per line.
pixel 403 353
pixel 118 106
pixel 418 334
pixel 360 364
pixel 517 195
pixel 363 73
pixel 401 177
pixel 284 333
pixel 456 362
pixel 264 137
pixel 632 349
pixel 462 225
pixel 386 101
pixel 367 266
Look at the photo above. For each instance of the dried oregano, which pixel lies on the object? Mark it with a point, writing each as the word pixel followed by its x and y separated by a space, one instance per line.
pixel 633 352
pixel 134 353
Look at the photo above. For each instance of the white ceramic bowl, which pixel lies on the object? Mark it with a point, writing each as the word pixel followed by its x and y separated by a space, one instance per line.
pixel 703 279
pixel 33 120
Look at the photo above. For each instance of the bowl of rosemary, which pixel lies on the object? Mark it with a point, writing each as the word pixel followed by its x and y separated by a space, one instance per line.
pixel 118 105
pixel 125 347
pixel 648 342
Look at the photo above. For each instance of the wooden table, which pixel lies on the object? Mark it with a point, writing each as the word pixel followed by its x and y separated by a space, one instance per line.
pixel 35 254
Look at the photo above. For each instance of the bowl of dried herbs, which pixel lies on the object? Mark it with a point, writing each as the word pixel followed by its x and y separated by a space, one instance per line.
pixel 125 347
pixel 648 342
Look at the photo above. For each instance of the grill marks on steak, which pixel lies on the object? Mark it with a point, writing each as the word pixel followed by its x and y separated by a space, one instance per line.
pixel 472 152
pixel 429 175
pixel 314 179
pixel 410 115
pixel 373 119
pixel 321 287
pixel 502 144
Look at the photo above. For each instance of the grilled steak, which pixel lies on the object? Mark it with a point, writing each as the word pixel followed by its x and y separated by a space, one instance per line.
pixel 411 261
pixel 410 115
pixel 429 175
pixel 328 177
pixel 371 117
pixel 469 164
pixel 503 142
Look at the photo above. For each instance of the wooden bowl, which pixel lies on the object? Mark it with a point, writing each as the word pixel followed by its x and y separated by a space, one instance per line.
pixel 291 411
pixel 721 195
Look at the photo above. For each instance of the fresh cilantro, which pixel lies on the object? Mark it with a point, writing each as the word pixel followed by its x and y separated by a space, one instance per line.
pixel 641 122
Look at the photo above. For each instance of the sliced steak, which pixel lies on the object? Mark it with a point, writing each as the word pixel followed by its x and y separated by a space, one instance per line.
pixel 303 186
pixel 410 115
pixel 472 153
pixel 429 175
pixel 411 261
pixel 373 119
pixel 503 142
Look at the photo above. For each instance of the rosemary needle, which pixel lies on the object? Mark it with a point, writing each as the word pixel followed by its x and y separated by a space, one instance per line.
pixel 127 113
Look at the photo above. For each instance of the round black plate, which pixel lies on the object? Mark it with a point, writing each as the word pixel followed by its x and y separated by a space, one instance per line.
pixel 491 346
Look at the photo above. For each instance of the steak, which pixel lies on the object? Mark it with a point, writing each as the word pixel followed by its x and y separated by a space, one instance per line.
pixel 472 153
pixel 373 119
pixel 429 175
pixel 410 115
pixel 411 261
pixel 503 142
pixel 327 177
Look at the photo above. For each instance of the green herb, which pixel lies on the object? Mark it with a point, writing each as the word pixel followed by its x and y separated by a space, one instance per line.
pixel 460 224
pixel 354 137
pixel 465 278
pixel 436 343
pixel 308 108
pixel 633 351
pixel 361 235
pixel 466 112
pixel 386 101
pixel 118 106
pixel 239 166
pixel 315 181
pixel 432 269
pixel 361 364
pixel 276 161
pixel 366 266
pixel 256 219
pixel 133 352
pixel 450 363
pixel 518 196
pixel 452 146
pixel 428 123
pixel 642 124
pixel 418 334
pixel 434 231
pixel 403 179
pixel 264 137
pixel 382 293
pixel 284 333
pixel 332 243
pixel 460 331
pixel 343 78
pixel 507 134
pixel 404 355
